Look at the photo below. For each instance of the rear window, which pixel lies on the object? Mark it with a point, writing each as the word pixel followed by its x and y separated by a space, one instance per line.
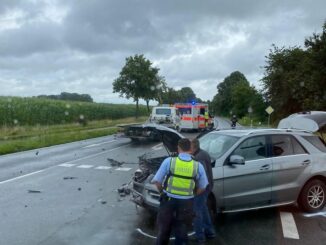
pixel 163 111
pixel 317 142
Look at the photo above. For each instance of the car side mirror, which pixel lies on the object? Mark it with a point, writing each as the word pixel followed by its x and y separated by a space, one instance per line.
pixel 236 159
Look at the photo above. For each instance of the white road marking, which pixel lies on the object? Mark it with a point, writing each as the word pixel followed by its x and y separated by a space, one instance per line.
pixel 315 214
pixel 103 167
pixel 67 165
pixel 157 147
pixel 85 166
pixel 92 145
pixel 154 237
pixel 123 169
pixel 288 225
pixel 90 156
pixel 22 176
pixel 97 154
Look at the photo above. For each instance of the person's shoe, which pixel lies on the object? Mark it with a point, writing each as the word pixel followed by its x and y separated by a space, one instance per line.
pixel 210 235
pixel 198 241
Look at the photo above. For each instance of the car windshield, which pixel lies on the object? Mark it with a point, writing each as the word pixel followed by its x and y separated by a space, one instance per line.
pixel 163 111
pixel 217 144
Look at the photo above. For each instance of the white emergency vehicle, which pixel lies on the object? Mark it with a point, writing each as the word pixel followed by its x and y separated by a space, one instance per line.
pixel 194 116
pixel 166 115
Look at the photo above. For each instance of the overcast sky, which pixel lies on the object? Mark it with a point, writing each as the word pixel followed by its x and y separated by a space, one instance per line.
pixel 51 46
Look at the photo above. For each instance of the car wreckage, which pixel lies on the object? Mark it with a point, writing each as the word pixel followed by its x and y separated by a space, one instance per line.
pixel 252 168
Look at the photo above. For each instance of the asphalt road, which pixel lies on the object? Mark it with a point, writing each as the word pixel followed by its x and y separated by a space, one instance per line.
pixel 67 195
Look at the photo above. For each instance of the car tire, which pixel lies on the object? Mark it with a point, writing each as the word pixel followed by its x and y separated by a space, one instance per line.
pixel 313 196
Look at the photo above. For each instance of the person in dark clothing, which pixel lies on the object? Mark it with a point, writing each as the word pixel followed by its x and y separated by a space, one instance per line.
pixel 202 222
pixel 234 121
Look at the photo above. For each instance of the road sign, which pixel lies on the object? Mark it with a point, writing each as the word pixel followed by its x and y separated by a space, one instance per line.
pixel 250 109
pixel 269 110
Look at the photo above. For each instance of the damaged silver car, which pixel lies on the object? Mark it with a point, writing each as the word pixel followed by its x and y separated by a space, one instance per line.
pixel 253 168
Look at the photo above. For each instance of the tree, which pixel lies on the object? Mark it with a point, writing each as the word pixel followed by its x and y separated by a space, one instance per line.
pixel 295 78
pixel 155 90
pixel 138 80
pixel 236 95
pixel 316 51
pixel 186 95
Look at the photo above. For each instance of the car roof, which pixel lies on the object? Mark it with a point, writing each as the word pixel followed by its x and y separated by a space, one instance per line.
pixel 261 131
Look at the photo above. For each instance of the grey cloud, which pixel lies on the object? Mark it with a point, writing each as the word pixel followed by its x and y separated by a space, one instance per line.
pixel 33 38
pixel 193 42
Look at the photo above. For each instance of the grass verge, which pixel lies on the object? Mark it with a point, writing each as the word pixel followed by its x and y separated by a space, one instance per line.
pixel 27 138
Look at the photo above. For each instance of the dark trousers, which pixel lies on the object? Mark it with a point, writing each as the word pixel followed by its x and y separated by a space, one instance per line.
pixel 202 221
pixel 174 213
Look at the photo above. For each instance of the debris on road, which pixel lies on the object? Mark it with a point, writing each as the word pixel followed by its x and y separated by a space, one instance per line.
pixel 115 163
pixel 36 153
pixel 34 191
pixel 79 189
pixel 102 201
pixel 124 190
pixel 69 177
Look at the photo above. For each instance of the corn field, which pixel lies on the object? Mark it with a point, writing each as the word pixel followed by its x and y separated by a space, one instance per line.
pixel 36 111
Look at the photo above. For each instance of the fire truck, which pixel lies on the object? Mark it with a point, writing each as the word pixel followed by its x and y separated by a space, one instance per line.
pixel 193 115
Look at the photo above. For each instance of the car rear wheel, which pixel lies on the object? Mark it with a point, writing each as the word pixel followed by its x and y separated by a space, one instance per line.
pixel 313 196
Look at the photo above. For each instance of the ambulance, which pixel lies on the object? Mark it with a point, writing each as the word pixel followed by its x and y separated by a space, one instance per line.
pixel 193 115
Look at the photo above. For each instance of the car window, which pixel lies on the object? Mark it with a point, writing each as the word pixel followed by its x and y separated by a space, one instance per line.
pixel 163 111
pixel 297 147
pixel 252 149
pixel 317 142
pixel 285 145
pixel 217 144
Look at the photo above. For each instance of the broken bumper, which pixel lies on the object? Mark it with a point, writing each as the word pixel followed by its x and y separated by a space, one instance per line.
pixel 145 196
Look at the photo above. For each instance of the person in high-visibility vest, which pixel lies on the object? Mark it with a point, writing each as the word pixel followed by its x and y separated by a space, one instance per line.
pixel 206 118
pixel 178 180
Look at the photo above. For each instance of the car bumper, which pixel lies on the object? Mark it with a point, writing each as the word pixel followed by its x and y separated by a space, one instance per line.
pixel 145 195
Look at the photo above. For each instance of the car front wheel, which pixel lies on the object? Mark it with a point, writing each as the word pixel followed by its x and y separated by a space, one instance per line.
pixel 313 196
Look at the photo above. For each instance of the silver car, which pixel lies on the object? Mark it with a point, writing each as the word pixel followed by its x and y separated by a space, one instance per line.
pixel 252 168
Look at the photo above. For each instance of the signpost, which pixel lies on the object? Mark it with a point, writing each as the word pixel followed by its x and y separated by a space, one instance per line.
pixel 269 110
pixel 250 112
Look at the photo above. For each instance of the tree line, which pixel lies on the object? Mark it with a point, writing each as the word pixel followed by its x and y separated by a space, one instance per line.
pixel 294 80
pixel 68 96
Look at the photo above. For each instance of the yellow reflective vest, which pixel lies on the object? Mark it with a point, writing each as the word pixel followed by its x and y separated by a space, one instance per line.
pixel 206 115
pixel 182 176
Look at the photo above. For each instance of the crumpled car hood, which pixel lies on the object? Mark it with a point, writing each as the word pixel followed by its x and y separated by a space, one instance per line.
pixel 169 137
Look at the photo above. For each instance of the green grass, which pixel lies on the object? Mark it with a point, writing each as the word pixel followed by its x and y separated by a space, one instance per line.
pixel 245 121
pixel 21 138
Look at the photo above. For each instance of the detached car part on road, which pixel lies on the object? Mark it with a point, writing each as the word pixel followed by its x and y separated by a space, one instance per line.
pixel 253 168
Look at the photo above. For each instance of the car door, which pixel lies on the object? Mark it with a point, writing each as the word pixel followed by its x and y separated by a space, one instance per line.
pixel 248 185
pixel 290 161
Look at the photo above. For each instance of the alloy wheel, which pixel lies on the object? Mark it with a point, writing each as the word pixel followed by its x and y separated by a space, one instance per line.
pixel 316 196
